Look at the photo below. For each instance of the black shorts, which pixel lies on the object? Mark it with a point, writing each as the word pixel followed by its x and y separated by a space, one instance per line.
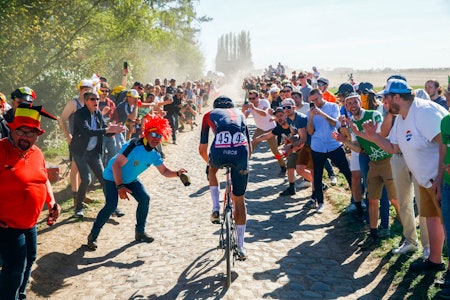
pixel 237 157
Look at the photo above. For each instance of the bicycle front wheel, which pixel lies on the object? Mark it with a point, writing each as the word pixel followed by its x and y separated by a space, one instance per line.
pixel 229 245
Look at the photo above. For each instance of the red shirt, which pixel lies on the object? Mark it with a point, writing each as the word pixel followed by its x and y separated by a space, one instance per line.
pixel 22 185
pixel 329 97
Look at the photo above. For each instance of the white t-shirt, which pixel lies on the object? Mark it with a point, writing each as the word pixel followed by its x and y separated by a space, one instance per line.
pixel 414 136
pixel 263 122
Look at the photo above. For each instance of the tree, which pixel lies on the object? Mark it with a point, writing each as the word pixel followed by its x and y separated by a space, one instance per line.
pixel 50 45
pixel 234 53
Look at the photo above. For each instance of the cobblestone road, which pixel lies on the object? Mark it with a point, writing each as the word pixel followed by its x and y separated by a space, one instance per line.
pixel 293 253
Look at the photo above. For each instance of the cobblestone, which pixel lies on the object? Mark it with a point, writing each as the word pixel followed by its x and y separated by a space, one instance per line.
pixel 293 253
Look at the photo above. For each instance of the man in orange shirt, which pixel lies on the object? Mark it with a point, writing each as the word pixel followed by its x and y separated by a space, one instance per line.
pixel 24 189
pixel 322 83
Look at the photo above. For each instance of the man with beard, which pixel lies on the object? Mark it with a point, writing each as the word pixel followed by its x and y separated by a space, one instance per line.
pixel 379 173
pixel 24 188
pixel 416 134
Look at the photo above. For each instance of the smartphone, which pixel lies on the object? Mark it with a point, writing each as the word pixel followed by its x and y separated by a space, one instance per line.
pixel 311 105
pixel 246 101
pixel 125 65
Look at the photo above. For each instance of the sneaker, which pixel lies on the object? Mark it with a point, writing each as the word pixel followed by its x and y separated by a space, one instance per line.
pixel 426 265
pixel 92 243
pixel 333 180
pixel 282 173
pixel 383 232
pixel 288 192
pixel 241 254
pixel 369 243
pixel 426 252
pixel 79 213
pixel 118 213
pixel 143 237
pixel 215 219
pixel 312 203
pixel 319 208
pixel 303 184
pixel 324 187
pixel 406 247
pixel 349 209
pixel 180 129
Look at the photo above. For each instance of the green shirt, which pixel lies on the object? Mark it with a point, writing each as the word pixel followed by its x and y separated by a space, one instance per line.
pixel 445 133
pixel 373 150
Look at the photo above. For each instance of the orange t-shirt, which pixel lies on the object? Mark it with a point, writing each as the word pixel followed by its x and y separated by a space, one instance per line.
pixel 329 97
pixel 23 187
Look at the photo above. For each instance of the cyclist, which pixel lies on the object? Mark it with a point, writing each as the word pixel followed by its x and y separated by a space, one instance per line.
pixel 230 146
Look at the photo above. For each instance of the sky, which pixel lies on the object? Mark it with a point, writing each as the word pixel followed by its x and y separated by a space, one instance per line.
pixel 358 34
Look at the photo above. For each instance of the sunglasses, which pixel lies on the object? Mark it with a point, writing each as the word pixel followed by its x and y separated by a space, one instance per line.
pixel 28 134
pixel 155 135
pixel 251 98
pixel 104 91
pixel 286 91
pixel 321 84
pixel 94 99
pixel 287 107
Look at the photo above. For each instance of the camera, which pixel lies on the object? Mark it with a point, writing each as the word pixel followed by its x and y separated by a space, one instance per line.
pixel 311 105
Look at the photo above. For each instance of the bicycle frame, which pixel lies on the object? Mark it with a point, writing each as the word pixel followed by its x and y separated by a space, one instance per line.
pixel 228 238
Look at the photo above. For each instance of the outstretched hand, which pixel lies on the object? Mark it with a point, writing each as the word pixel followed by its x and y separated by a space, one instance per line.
pixel 370 128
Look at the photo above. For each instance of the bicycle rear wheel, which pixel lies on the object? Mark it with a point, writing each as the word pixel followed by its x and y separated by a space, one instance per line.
pixel 229 245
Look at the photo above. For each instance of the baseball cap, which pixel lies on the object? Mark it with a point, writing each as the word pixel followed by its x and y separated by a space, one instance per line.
pixel 133 93
pixel 345 88
pixel 352 95
pixel 397 76
pixel 365 87
pixel 85 83
pixel 397 86
pixel 278 109
pixel 288 102
pixel 139 84
pixel 323 80
pixel 24 93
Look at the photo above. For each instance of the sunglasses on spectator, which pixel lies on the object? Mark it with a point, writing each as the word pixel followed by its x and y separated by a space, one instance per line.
pixel 321 84
pixel 287 107
pixel 104 91
pixel 286 91
pixel 155 135
pixel 251 98
pixel 94 99
pixel 28 134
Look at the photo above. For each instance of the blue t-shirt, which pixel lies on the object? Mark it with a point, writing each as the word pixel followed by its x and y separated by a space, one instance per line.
pixel 321 140
pixel 139 159
pixel 300 121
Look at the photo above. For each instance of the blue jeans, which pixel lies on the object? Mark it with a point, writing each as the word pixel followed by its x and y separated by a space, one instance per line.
pixel 173 121
pixel 338 157
pixel 445 205
pixel 91 159
pixel 384 201
pixel 18 251
pixel 112 196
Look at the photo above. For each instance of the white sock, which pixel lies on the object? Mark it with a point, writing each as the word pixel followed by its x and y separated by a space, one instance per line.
pixel 240 230
pixel 215 192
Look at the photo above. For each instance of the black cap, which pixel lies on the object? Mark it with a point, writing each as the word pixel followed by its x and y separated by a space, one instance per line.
pixel 345 89
pixel 137 83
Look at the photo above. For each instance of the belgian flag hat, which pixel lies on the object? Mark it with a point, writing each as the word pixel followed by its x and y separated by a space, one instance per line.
pixel 29 115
